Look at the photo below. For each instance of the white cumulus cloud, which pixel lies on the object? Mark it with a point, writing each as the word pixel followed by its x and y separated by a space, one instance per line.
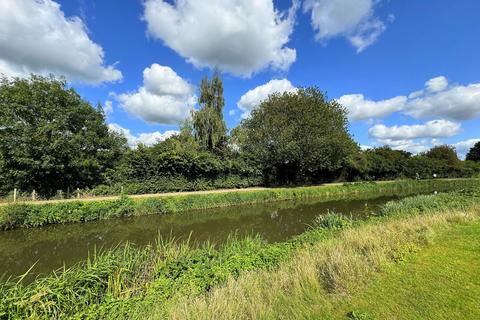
pixel 457 103
pixel 147 139
pixel 408 145
pixel 36 37
pixel 240 37
pixel 431 129
pixel 361 108
pixel 252 98
pixel 437 84
pixel 352 19
pixel 164 98
pixel 108 107
pixel 463 147
pixel 437 99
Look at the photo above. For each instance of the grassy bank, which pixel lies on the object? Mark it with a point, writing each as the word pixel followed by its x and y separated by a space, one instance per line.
pixel 334 258
pixel 34 215
pixel 376 271
pixel 440 282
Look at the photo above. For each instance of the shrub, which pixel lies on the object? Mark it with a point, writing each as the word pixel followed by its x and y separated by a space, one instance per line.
pixel 332 221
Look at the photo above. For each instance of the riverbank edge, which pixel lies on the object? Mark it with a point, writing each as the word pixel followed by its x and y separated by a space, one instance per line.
pixel 318 278
pixel 36 215
pixel 120 282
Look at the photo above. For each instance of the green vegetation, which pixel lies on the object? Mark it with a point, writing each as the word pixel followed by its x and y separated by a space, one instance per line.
pixel 385 163
pixel 51 139
pixel 54 142
pixel 350 276
pixel 208 124
pixel 299 137
pixel 439 282
pixel 34 215
pixel 169 279
pixel 474 153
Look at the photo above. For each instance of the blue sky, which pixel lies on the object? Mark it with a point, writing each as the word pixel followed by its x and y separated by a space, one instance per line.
pixel 144 59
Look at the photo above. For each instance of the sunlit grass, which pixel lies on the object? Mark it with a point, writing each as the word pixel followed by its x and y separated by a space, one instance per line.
pixel 440 282
pixel 320 281
pixel 243 278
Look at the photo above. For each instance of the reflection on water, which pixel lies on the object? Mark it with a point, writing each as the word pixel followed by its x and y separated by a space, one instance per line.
pixel 52 247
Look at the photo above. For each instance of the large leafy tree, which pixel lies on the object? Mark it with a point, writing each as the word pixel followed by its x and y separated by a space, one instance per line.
pixel 208 124
pixel 52 139
pixel 445 153
pixel 474 153
pixel 299 137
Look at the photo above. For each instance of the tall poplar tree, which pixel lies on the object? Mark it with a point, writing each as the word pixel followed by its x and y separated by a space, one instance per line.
pixel 208 124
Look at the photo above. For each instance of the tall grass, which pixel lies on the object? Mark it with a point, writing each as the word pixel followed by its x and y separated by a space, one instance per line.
pixel 34 215
pixel 127 281
pixel 316 278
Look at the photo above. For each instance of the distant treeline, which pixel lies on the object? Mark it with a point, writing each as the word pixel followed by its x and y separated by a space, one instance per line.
pixel 51 139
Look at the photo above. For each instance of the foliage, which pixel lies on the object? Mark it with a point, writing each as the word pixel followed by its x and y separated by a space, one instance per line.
pixel 298 137
pixel 474 153
pixel 178 164
pixel 445 152
pixel 321 279
pixel 51 139
pixel 332 220
pixel 54 142
pixel 384 163
pixel 118 282
pixel 208 124
pixel 358 315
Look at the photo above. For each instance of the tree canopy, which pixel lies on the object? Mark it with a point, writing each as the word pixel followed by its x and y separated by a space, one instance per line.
pixel 298 136
pixel 445 152
pixel 474 153
pixel 50 138
pixel 208 124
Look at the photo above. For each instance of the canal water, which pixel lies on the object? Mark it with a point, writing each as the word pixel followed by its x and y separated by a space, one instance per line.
pixel 55 246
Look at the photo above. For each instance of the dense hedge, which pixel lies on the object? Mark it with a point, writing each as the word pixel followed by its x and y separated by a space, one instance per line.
pixel 175 184
pixel 117 283
pixel 386 164
pixel 34 215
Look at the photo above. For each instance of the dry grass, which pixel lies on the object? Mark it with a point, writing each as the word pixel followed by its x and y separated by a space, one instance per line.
pixel 318 275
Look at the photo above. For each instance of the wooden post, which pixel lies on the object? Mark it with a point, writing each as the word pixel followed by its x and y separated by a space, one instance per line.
pixel 121 190
pixel 34 195
pixel 15 195
pixel 78 193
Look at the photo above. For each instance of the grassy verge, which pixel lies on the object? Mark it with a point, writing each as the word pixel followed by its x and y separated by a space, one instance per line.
pixel 246 278
pixel 439 282
pixel 34 215
pixel 326 281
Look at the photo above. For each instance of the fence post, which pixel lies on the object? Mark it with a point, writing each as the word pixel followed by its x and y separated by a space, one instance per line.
pixel 15 195
pixel 34 195
pixel 121 188
pixel 78 193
